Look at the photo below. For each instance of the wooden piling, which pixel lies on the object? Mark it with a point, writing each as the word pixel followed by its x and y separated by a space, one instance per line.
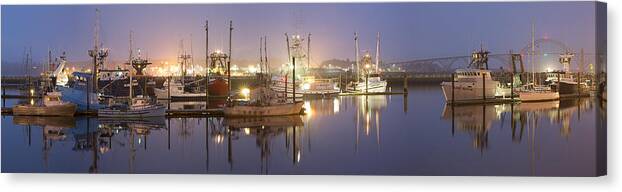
pixel 484 86
pixel 88 95
pixel 293 80
pixel 453 87
pixel 405 84
pixel 169 92
pixel 367 82
pixel 512 87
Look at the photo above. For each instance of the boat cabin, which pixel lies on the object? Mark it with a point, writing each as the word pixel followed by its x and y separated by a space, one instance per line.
pixel 473 74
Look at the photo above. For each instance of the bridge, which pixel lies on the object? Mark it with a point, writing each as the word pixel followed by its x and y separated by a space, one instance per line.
pixel 543 47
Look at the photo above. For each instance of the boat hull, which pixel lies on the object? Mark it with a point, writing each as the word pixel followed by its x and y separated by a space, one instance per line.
pixel 218 87
pixel 466 91
pixel 154 111
pixel 79 97
pixel 371 87
pixel 68 109
pixel 566 88
pixel 538 96
pixel 263 111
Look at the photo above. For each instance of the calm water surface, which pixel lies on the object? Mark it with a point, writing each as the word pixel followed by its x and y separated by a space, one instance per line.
pixel 373 135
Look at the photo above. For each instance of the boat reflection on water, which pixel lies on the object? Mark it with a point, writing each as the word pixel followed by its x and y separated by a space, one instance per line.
pixel 478 120
pixel 193 105
pixel 368 117
pixel 264 130
pixel 54 129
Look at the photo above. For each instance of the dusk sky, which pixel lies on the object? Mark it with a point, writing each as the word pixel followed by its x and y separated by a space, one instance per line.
pixel 408 30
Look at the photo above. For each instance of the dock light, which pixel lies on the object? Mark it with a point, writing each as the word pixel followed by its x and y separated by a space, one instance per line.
pixel 306 86
pixel 32 92
pixel 247 131
pixel 245 92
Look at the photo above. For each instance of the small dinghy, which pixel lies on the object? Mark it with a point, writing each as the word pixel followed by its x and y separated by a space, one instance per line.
pixel 52 106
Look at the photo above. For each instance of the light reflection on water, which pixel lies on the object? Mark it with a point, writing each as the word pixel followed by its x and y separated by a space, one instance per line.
pixel 389 135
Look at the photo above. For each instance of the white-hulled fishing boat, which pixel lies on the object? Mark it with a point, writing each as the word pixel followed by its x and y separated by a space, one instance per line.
pixel 370 80
pixel 177 92
pixel 139 107
pixel 312 87
pixel 52 106
pixel 537 93
pixel 473 83
pixel 263 102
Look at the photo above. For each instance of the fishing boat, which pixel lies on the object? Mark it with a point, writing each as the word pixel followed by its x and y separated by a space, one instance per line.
pixel 177 92
pixel 136 107
pixel 537 93
pixel 218 84
pixel 52 106
pixel 263 102
pixel 312 87
pixel 470 84
pixel 562 81
pixel 473 83
pixel 285 86
pixel 369 80
pixel 533 92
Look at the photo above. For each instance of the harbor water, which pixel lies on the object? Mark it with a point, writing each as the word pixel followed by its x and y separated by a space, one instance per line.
pixel 416 134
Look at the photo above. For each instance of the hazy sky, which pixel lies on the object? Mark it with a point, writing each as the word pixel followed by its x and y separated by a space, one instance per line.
pixel 408 30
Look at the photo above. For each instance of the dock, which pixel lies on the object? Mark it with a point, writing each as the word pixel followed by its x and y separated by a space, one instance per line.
pixel 218 112
pixel 484 101
pixel 372 93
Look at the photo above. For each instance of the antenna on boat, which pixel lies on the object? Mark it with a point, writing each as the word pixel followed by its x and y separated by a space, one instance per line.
pixel 289 55
pixel 308 50
pixel 206 64
pixel 265 52
pixel 356 55
pixel 261 64
pixel 377 50
pixel 130 69
pixel 191 53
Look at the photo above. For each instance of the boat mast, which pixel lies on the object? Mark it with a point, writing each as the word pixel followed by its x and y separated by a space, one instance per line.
pixel 377 50
pixel 261 64
pixel 289 55
pixel 533 54
pixel 265 52
pixel 356 55
pixel 130 69
pixel 97 53
pixel 229 62
pixel 308 50
pixel 206 62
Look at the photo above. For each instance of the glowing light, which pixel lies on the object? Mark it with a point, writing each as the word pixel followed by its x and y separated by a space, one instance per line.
pixel 307 108
pixel 306 86
pixel 247 131
pixel 245 92
pixel 32 92
pixel 367 66
pixel 252 69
